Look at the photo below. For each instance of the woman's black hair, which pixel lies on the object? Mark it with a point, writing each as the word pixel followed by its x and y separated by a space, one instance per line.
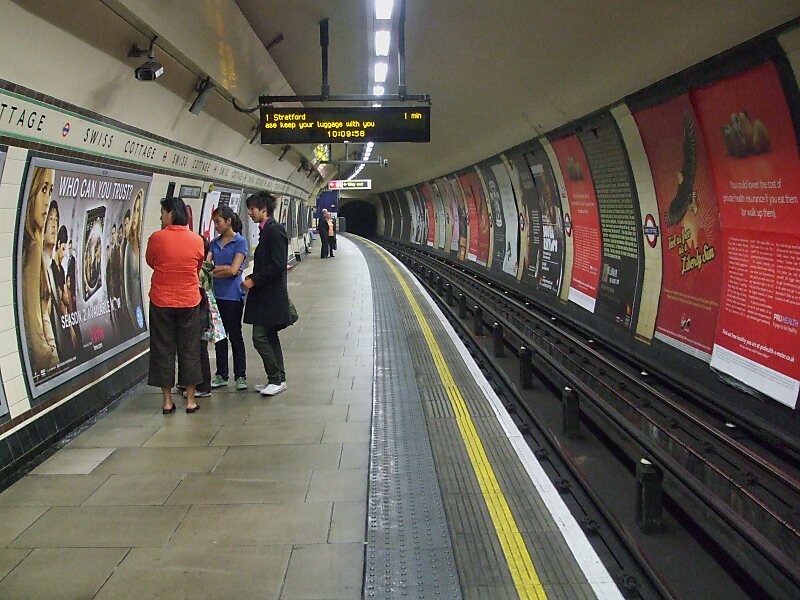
pixel 62 236
pixel 177 207
pixel 263 200
pixel 54 207
pixel 226 212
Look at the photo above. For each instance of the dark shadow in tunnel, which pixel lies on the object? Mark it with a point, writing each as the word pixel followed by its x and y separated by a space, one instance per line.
pixel 362 219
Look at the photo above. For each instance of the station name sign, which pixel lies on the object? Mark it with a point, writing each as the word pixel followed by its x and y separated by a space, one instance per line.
pixel 326 125
pixel 350 184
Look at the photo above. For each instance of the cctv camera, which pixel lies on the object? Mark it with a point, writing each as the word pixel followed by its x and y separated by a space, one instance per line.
pixel 385 162
pixel 149 71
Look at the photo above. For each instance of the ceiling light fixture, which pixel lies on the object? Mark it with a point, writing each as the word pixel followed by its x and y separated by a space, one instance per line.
pixel 377 90
pixel 383 9
pixel 381 69
pixel 382 40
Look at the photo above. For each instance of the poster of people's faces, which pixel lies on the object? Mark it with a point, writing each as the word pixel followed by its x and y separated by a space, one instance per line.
pixel 78 268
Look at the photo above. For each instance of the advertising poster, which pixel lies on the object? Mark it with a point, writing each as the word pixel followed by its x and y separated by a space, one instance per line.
pixel 405 215
pixel 78 268
pixel 442 216
pixel 583 223
pixel 424 192
pixel 388 218
pixel 753 151
pixel 416 218
pixel 463 217
pixel 529 204
pixel 449 200
pixel 496 173
pixel 546 214
pixel 397 219
pixel 690 238
pixel 218 197
pixel 618 209
pixel 479 223
pixel 3 401
pixel 497 217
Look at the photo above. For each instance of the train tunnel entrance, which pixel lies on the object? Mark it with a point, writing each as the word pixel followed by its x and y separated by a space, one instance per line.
pixel 362 219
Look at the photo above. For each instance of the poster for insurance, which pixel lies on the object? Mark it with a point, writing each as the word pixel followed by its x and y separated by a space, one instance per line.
pixel 78 268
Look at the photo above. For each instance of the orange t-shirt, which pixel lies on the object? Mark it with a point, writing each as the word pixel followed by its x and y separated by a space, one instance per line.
pixel 330 226
pixel 175 254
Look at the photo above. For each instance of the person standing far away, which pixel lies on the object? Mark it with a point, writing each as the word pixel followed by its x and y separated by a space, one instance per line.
pixel 326 228
pixel 267 305
pixel 228 251
pixel 176 314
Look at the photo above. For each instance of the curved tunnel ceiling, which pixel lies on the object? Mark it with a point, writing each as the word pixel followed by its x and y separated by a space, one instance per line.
pixel 504 71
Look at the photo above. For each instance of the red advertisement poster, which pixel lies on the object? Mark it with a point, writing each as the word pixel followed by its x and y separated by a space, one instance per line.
pixel 425 193
pixel 690 238
pixel 478 218
pixel 751 143
pixel 584 222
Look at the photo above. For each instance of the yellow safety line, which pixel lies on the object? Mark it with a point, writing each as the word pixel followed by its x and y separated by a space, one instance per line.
pixel 519 559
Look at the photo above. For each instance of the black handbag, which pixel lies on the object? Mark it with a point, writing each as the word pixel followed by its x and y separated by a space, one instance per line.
pixel 293 316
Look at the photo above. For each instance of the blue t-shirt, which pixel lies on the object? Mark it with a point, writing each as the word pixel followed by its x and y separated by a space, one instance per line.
pixel 228 288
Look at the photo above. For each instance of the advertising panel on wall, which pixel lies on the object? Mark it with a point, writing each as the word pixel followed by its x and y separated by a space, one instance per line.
pixel 417 219
pixel 449 200
pixel 463 217
pixel 480 228
pixel 753 150
pixel 397 215
pixel 406 210
pixel 689 217
pixel 218 197
pixel 442 217
pixel 79 295
pixel 529 205
pixel 3 401
pixel 584 222
pixel 505 215
pixel 547 215
pixel 424 193
pixel 616 202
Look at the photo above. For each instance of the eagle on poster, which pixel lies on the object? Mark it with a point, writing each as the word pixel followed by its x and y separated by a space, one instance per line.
pixel 685 196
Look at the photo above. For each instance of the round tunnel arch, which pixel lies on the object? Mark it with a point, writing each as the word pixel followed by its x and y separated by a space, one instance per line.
pixel 361 217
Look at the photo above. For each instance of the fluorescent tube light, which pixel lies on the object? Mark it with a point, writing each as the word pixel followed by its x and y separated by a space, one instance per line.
pixel 383 9
pixel 377 90
pixel 381 69
pixel 382 39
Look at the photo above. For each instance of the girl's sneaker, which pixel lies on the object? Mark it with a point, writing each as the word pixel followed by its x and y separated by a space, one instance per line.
pixel 218 382
pixel 241 384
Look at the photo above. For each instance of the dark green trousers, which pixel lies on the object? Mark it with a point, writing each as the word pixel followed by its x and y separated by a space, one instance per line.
pixel 268 346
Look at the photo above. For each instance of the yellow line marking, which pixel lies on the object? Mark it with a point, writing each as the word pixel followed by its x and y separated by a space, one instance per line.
pixel 519 561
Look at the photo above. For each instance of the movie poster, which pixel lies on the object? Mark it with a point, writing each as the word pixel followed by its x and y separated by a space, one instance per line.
pixel 479 221
pixel 78 268
pixel 529 204
pixel 618 209
pixel 449 201
pixel 505 214
pixel 406 226
pixel 217 197
pixel 416 218
pixel 750 137
pixel 442 216
pixel 425 194
pixel 463 217
pixel 584 222
pixel 690 289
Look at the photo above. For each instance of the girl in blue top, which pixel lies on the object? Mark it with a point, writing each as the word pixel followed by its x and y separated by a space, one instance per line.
pixel 228 252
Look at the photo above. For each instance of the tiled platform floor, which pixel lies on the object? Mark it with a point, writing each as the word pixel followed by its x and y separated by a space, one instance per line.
pixel 248 498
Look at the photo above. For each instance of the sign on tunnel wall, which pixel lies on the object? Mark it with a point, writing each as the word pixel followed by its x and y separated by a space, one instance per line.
pixel 3 400
pixel 78 268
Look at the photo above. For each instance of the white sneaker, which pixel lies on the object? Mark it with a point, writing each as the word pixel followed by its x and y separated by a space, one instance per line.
pixel 272 389
pixel 283 386
pixel 259 386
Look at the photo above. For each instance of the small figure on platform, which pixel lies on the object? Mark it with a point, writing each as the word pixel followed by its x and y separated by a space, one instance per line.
pixel 327 233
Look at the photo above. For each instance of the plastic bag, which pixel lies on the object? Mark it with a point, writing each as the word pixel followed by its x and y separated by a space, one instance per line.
pixel 216 330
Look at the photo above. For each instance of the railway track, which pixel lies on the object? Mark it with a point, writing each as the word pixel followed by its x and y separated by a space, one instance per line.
pixel 737 484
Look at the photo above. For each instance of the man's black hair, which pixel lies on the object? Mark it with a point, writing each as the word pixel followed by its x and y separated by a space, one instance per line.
pixel 62 236
pixel 177 207
pixel 263 200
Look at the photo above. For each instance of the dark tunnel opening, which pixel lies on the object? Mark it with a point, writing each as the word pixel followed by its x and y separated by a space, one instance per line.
pixel 362 219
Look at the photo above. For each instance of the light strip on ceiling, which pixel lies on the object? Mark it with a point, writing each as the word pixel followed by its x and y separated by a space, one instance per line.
pixel 382 41
pixel 381 69
pixel 383 9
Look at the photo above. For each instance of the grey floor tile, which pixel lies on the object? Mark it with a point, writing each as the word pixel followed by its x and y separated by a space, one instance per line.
pixel 199 488
pixel 73 461
pixel 349 522
pixel 346 432
pixel 102 527
pixel 306 414
pixel 254 524
pixel 342 484
pixel 359 412
pixel 203 573
pixel 183 437
pixel 51 490
pixel 348 396
pixel 66 574
pixel 355 456
pixel 259 435
pixel 132 490
pixel 209 414
pixel 325 572
pixel 16 519
pixel 10 558
pixel 113 437
pixel 260 459
pixel 161 460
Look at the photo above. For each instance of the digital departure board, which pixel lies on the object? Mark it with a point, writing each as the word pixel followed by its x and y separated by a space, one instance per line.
pixel 328 125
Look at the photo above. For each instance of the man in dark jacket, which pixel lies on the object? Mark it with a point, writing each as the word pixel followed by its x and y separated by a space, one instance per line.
pixel 326 228
pixel 267 305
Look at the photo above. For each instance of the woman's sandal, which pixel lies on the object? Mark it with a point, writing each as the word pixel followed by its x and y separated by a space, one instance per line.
pixel 169 411
pixel 191 410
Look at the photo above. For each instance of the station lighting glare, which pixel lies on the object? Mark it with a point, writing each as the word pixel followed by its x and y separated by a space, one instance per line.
pixel 377 104
pixel 383 9
pixel 381 69
pixel 377 90
pixel 382 39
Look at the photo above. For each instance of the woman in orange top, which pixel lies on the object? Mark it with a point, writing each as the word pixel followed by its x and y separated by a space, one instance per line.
pixel 176 312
